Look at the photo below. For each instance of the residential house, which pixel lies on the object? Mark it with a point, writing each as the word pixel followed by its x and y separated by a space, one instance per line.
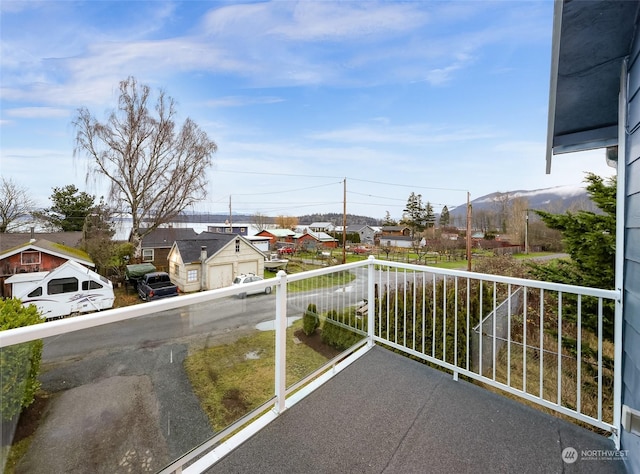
pixel 321 227
pixel 395 230
pixel 310 240
pixel 227 228
pixel 212 260
pixel 594 103
pixel 157 244
pixel 366 232
pixel 37 256
pixel 278 237
pixel 402 241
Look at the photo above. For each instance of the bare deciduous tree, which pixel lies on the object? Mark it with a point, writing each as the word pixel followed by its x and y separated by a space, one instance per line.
pixel 260 221
pixel 286 222
pixel 15 204
pixel 155 170
pixel 517 219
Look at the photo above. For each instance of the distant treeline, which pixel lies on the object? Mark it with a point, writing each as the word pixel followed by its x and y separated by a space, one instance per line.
pixel 337 219
pixel 333 217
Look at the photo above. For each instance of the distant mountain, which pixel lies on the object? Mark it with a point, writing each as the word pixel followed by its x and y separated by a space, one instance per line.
pixel 558 200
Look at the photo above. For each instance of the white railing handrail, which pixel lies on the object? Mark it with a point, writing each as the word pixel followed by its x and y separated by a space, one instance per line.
pixel 57 327
pixel 545 285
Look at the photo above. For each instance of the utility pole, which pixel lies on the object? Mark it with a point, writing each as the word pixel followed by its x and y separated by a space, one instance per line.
pixel 344 222
pixel 468 231
pixel 526 231
pixel 230 215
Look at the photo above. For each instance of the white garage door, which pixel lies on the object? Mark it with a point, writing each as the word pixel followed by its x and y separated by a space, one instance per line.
pixel 248 267
pixel 220 276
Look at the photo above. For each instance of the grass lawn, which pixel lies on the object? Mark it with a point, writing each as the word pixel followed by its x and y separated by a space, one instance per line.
pixel 232 379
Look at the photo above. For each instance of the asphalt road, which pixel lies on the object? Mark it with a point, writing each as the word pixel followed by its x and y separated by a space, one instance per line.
pixel 211 320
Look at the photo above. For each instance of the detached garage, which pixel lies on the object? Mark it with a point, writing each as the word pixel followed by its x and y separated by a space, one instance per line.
pixel 212 260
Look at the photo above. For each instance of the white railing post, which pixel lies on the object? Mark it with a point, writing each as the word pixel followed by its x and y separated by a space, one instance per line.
pixel 281 342
pixel 371 301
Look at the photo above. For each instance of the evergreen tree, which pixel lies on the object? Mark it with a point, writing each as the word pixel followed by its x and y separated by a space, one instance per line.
pixel 97 234
pixel 430 217
pixel 70 208
pixel 415 214
pixel 444 217
pixel 589 238
pixel 388 221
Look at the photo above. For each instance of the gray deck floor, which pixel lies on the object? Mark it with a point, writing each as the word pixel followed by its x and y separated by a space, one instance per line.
pixel 387 413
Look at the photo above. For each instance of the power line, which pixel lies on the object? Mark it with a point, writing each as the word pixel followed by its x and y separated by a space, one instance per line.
pixel 341 178
pixel 408 186
pixel 285 191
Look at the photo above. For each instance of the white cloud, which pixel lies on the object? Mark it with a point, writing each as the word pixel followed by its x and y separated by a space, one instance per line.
pixel 239 101
pixel 37 112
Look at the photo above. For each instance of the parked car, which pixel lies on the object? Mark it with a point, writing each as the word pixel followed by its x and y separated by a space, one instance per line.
pixel 286 250
pixel 360 250
pixel 248 278
pixel 156 285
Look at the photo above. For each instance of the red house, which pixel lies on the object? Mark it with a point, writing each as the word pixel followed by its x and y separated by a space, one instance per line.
pixel 38 256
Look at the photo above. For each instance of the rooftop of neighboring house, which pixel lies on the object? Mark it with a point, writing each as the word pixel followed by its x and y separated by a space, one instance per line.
pixel 10 240
pixel 190 249
pixel 321 236
pixel 166 236
pixel 279 232
pixel 53 248
pixel 321 225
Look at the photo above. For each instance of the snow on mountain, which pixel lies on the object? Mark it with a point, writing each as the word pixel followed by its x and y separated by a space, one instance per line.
pixel 558 199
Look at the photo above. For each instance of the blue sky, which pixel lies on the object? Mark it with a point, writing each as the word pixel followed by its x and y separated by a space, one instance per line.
pixel 433 97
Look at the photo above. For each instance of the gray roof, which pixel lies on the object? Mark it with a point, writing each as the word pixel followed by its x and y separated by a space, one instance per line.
pixel 190 248
pixel 166 236
pixel 357 227
pixel 590 41
pixel 388 413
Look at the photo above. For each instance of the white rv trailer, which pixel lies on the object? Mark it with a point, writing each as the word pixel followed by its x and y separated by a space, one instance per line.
pixel 68 289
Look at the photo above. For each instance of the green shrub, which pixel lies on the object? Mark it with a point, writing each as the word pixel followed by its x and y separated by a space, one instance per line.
pixel 342 330
pixel 20 363
pixel 310 320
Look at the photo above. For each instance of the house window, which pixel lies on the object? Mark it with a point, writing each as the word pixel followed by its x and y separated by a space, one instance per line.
pixel 30 258
pixel 176 269
pixel 237 245
pixel 147 255
pixel 192 275
pixel 62 285
pixel 91 285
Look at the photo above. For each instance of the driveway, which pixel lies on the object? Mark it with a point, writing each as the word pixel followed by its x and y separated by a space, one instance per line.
pixel 128 411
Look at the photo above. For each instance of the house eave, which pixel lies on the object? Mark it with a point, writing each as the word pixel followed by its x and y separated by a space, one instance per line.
pixel 590 42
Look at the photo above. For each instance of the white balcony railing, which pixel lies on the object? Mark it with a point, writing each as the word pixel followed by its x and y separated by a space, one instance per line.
pixel 549 344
